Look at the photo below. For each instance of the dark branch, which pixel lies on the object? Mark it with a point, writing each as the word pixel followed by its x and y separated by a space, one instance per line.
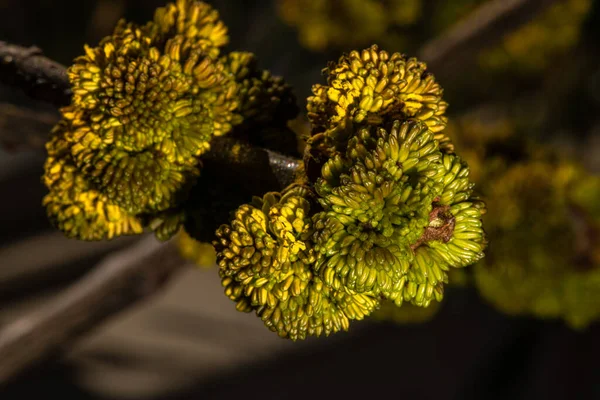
pixel 122 279
pixel 483 28
pixel 38 76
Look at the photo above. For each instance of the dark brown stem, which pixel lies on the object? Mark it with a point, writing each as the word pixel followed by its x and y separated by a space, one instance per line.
pixel 484 27
pixel 38 76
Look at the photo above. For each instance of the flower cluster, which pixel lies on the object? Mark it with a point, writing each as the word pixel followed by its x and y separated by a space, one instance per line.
pixel 146 103
pixel 543 220
pixel 265 258
pixel 325 24
pixel 389 214
pixel 546 255
pixel 373 88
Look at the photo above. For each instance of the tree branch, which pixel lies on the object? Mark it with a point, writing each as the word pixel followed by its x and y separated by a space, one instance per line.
pixel 482 28
pixel 38 76
pixel 121 280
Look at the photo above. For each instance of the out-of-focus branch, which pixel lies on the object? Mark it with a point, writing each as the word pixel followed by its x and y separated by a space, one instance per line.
pixel 482 28
pixel 40 77
pixel 24 128
pixel 47 255
pixel 122 279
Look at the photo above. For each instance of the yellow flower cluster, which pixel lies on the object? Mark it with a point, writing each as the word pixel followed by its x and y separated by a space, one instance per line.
pixel 146 102
pixel 373 88
pixel 389 213
pixel 543 221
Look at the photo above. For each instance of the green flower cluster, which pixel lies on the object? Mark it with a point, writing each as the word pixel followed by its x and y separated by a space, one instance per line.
pixel 265 259
pixel 388 216
pixel 546 255
pixel 146 103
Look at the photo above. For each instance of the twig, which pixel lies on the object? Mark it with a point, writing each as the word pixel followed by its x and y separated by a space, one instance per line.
pixel 40 77
pixel 40 258
pixel 484 27
pixel 121 280
pixel 24 128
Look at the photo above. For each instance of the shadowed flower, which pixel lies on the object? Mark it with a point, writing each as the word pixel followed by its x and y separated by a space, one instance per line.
pixel 545 260
pixel 263 98
pixel 325 24
pixel 74 206
pixel 146 103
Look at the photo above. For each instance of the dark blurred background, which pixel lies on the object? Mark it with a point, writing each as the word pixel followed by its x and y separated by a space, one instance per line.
pixel 190 343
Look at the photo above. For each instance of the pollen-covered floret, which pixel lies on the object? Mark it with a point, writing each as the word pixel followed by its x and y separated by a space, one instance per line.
pixel 73 204
pixel 373 87
pixel 265 261
pixel 146 103
pixel 391 206
pixel 139 120
pixel 196 21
